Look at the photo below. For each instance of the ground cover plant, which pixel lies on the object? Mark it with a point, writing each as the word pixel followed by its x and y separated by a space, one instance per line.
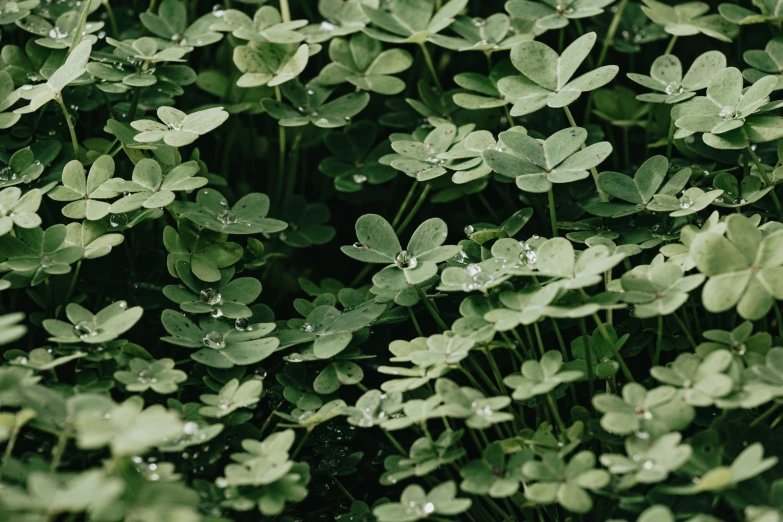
pixel 391 260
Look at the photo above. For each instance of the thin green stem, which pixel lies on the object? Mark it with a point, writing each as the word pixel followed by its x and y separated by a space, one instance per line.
pixel 508 116
pixel 552 210
pixel 285 11
pixel 556 414
pixel 658 342
pixel 394 443
pixel 619 358
pixel 134 103
pixel 415 322
pixel 593 171
pixel 59 449
pixel 301 444
pixel 9 448
pixel 613 26
pixel 112 20
pixel 405 203
pixel 71 128
pixel 670 47
pixel 416 207
pixel 685 329
pixel 430 65
pixel 778 318
pixel 539 340
pixel 431 309
pixel 74 279
pixel 493 365
pixel 670 138
pixel 766 179
pixel 588 357
pixel 764 415
pixel 281 154
pixel 342 488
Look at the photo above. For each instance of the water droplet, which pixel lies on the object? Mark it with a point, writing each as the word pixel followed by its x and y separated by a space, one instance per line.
pixel 241 324
pixel 433 159
pixel 84 329
pixel 728 112
pixel 359 178
pixel 190 428
pixel 221 483
pixel 227 217
pixel 326 26
pixel 478 22
pixel 216 312
pixel 473 269
pixel 26 87
pixel 260 373
pixel 214 340
pixel 685 202
pixel 674 88
pixel 210 296
pixel 175 37
pixel 405 260
pixel 174 126
pixel 648 464
pixel 11 7
pixel 307 327
pixel 428 508
pixel 58 33
pixel 469 230
pixel 218 10
pixel 118 220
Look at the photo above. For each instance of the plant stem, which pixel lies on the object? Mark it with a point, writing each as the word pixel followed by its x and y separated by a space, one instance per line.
pixel 588 357
pixel 112 20
pixel 281 153
pixel 764 415
pixel 342 488
pixel 430 65
pixel 74 279
pixel 415 322
pixel 9 448
pixel 685 329
pixel 301 444
pixel 405 204
pixel 496 372
pixel 59 449
pixel 556 414
pixel 613 25
pixel 767 182
pixel 552 210
pixel 778 318
pixel 71 128
pixel 670 138
pixel 658 342
pixel 670 47
pixel 285 11
pixel 134 103
pixel 593 171
pixel 416 207
pixel 508 116
pixel 394 443
pixel 619 358
pixel 430 308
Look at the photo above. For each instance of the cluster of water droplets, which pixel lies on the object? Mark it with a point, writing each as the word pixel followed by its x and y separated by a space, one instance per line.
pixel 479 278
pixel 84 329
pixel 564 9
pixel 414 508
pixel 728 112
pixel 359 178
pixel 227 216
pixel 11 7
pixel 146 376
pixel 406 260
pixel 674 88
pixel 685 201
pixel 214 340
pixel 58 33
pixel 481 410
pixel 218 10
pixel 528 256
pixel 307 327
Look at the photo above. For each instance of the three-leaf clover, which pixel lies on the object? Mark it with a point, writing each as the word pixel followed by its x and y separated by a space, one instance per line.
pixel 766 62
pixel 647 462
pixel 309 105
pixel 206 250
pixel 666 77
pixel 157 375
pixel 416 504
pixel 744 267
pixel 354 163
pixel 648 413
pixel 247 216
pixel 178 128
pixel 84 327
pixel 729 116
pixel 220 345
pixel 537 164
pixel 227 297
pixel 35 254
pixel 546 79
pixel 17 209
pixel 498 32
pixel 231 397
pixel 688 19
pixel 659 288
pixel 362 62
pixel 555 481
pixel 702 380
pixel 540 377
pixel 269 64
pixel 425 456
pixel 492 475
pixel 410 22
pixel 148 188
pixel 85 192
pixel 554 14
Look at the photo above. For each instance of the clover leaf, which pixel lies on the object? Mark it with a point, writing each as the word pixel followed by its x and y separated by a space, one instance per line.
pixel 702 380
pixel 553 14
pixel 227 297
pixel 746 347
pixel 552 480
pixel 178 129
pixel 148 188
pixel 729 117
pixel 743 267
pixel 769 13
pixel 84 327
pixel 538 164
pixel 600 355
pixel 65 31
pixel 34 254
pixel 362 62
pixel 659 288
pixel 639 191
pixel 372 407
pixel 410 22
pixel 688 19
pixel 85 192
pixel 748 464
pixel 8 97
pixel 421 160
pixel 231 397
pixel 412 266
pixel 540 377
pixel 269 64
pixel 171 24
pixel 354 163
pixel 546 76
pixel 771 371
pixel 23 167
pixel 207 251
pixel 70 71
pixel 18 210
pixel 425 457
pixel 648 413
pixel 735 194
pixel 483 92
pixel 309 105
pixel 417 504
pixel 498 32
pixel 15 11
pixel 157 375
pixel 463 402
pixel 666 77
pixel 247 216
pixel 766 62
pixel 306 224
pixel 492 475
pixel 648 462
pixel 220 345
